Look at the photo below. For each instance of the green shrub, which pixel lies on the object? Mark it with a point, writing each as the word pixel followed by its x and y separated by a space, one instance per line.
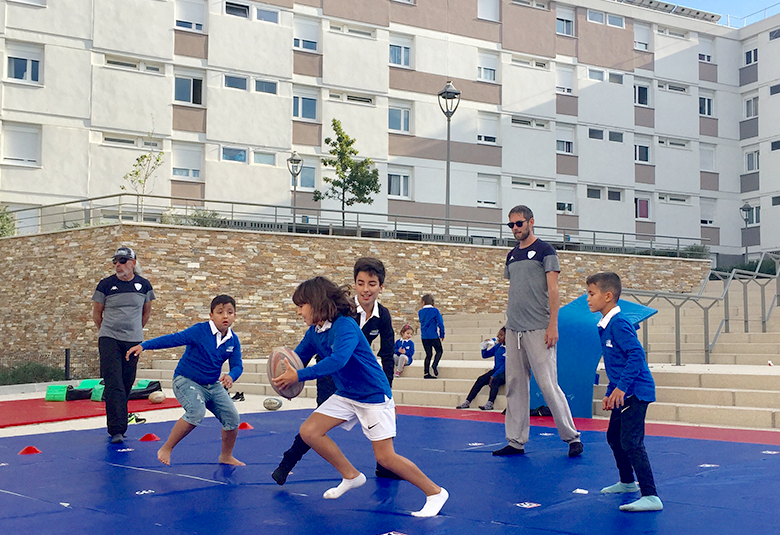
pixel 29 372
pixel 7 223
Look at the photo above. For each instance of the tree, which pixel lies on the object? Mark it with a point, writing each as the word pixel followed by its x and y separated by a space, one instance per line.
pixel 355 181
pixel 7 223
pixel 141 178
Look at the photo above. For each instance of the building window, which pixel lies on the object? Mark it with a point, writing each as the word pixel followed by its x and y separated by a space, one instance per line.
pixel 751 107
pixel 616 21
pixel 641 208
pixel 705 49
pixel 707 211
pixel 564 22
pixel 642 34
pixel 616 137
pixel 188 90
pixel 774 34
pixel 529 183
pixel 705 106
pixel 190 15
pixel 21 144
pixel 487 66
pixel 641 95
pixel 306 34
pixel 594 133
pixel 398 183
pixel 594 193
pixel 304 105
pixel 775 145
pixel 236 82
pixel 754 215
pixel 400 51
pixel 595 74
pixel 676 88
pixel 398 118
pixel 307 178
pixel 706 157
pixel 641 150
pixel 774 89
pixel 262 86
pixel 231 154
pixel 237 10
pixel 751 161
pixel 187 160
pixel 264 158
pixel 267 15
pixel 564 140
pixel 596 16
pixel 565 198
pixel 616 78
pixel 532 123
pixel 776 201
pixel 488 10
pixel 487 128
pixel 614 195
pixel 24 62
pixel 680 34
pixel 564 79
pixel 487 190
pixel 751 56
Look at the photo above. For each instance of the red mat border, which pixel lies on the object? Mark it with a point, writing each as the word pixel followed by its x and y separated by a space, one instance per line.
pixel 12 411
pixel 745 436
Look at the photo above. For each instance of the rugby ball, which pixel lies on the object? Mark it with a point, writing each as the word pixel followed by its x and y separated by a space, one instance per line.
pixel 272 404
pixel 157 397
pixel 277 364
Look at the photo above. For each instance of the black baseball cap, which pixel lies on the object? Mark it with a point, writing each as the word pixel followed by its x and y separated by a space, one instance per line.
pixel 125 252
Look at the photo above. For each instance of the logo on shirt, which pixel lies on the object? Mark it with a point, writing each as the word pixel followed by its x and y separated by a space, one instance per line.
pixel 375 332
pixel 230 349
pixel 531 254
pixel 138 286
pixel 113 288
pixel 608 343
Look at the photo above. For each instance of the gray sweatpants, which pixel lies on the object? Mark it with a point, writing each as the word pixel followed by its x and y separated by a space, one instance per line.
pixel 527 352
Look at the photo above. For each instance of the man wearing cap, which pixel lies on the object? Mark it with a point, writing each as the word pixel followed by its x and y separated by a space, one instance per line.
pixel 122 304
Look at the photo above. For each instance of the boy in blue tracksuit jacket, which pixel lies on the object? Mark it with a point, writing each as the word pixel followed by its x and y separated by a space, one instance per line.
pixel 631 389
pixel 197 383
pixel 431 334
pixel 495 377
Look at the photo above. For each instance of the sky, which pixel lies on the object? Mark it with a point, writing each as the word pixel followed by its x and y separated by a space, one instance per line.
pixel 739 8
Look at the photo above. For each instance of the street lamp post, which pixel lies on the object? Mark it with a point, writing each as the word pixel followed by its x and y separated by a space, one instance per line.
pixel 295 165
pixel 449 98
pixel 746 209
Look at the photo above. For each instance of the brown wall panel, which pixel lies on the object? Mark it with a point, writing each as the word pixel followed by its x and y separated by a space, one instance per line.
pixel 190 44
pixel 644 60
pixel 645 230
pixel 528 30
pixel 710 236
pixel 307 64
pixel 434 210
pixel 436 149
pixel 189 119
pixel 566 104
pixel 188 190
pixel 307 133
pixel 430 14
pixel 566 46
pixel 568 221
pixel 708 126
pixel 289 3
pixel 369 11
pixel 431 84
pixel 708 72
pixel 605 46
pixel 709 181
pixel 644 116
pixel 458 17
pixel 644 174
pixel 566 164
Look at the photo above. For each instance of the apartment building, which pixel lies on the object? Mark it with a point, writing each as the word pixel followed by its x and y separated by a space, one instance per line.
pixel 636 117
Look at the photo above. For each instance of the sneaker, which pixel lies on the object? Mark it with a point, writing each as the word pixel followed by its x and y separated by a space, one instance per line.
pixel 465 405
pixel 238 396
pixel 117 439
pixel 134 418
pixel 281 473
pixel 487 406
pixel 428 376
pixel 398 374
pixel 508 450
pixel 575 449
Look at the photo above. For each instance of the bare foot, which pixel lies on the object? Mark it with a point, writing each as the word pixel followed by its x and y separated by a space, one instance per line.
pixel 231 460
pixel 164 456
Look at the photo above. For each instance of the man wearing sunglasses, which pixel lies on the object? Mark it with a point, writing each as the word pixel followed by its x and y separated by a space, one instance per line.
pixel 532 268
pixel 122 304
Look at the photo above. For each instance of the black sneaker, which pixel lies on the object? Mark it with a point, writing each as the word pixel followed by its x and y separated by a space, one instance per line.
pixel 280 474
pixel 117 439
pixel 428 376
pixel 134 418
pixel 238 396
pixel 575 449
pixel 508 450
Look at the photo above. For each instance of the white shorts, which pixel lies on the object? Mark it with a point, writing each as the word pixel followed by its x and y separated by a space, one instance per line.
pixel 376 419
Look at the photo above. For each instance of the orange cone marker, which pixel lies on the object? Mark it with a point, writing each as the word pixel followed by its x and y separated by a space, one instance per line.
pixel 149 437
pixel 244 425
pixel 29 450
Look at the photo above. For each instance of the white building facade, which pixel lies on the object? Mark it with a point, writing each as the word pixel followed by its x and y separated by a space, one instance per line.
pixel 597 114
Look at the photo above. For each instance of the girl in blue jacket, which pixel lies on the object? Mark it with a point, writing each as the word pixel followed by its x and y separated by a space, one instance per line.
pixel 404 350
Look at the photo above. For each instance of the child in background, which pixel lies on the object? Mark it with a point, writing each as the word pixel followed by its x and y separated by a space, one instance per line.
pixel 431 333
pixel 362 394
pixel 197 382
pixel 404 349
pixel 631 389
pixel 492 347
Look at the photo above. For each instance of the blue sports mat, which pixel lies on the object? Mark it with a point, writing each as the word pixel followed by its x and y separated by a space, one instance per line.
pixel 82 484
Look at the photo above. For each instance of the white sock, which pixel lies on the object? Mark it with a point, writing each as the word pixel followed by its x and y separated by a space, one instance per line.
pixel 344 486
pixel 433 504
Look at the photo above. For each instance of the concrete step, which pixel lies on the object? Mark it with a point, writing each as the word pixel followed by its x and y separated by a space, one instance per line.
pixel 708 396
pixel 741 417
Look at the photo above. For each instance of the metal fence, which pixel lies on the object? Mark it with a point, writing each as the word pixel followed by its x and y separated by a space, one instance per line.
pixel 307 220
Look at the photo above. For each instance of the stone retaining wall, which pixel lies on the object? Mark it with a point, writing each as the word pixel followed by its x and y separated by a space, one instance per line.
pixel 47 280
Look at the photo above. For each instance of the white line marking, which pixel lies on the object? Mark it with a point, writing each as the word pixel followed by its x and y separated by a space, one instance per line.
pixel 167 473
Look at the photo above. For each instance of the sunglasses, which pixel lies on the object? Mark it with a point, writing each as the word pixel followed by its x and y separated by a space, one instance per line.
pixel 120 260
pixel 518 224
